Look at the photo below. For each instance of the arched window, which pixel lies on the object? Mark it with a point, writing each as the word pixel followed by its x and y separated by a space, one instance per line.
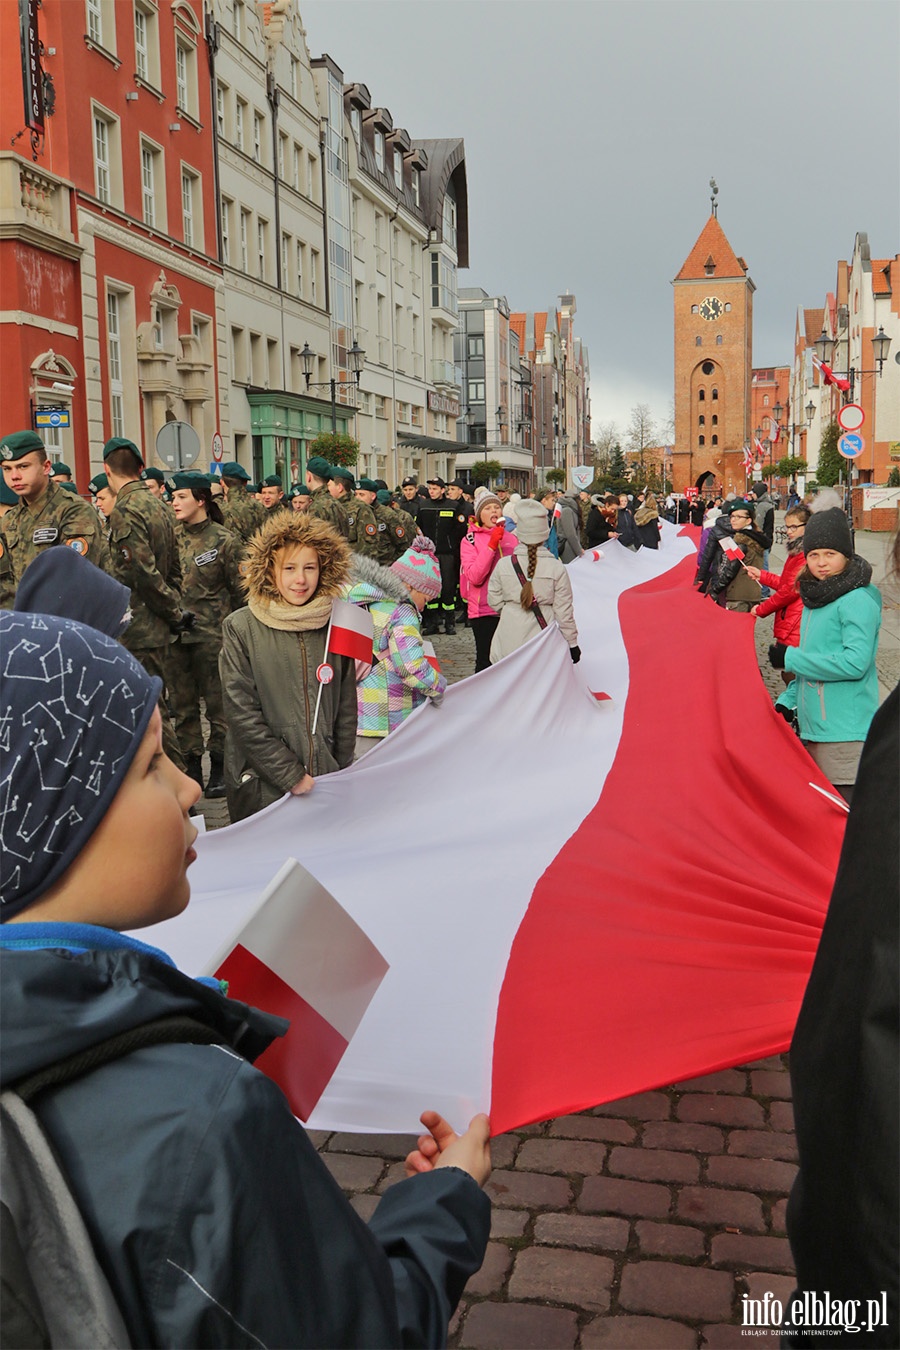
pixel 702 395
pixel 698 341
pixel 715 440
pixel 727 309
pixel 715 394
pixel 702 440
pixel 765 400
pixel 701 421
pixel 718 339
pixel 695 309
pixel 715 420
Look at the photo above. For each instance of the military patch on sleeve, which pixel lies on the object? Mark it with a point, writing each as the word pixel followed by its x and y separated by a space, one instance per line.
pixel 371 529
pixel 46 534
pixel 125 553
pixel 381 526
pixel 201 559
pixel 79 543
pixel 399 531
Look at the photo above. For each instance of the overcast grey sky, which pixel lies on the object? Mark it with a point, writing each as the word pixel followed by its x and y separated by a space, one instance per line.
pixel 592 128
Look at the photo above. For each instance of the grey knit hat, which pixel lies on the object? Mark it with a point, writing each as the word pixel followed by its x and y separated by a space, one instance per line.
pixel 532 523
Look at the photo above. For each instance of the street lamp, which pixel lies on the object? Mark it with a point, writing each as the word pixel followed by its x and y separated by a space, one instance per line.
pixel 810 411
pixel 826 345
pixel 356 358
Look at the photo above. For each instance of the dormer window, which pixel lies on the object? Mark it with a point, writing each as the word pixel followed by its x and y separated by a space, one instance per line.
pixel 398 169
pixel 379 151
pixel 417 186
pixel 356 124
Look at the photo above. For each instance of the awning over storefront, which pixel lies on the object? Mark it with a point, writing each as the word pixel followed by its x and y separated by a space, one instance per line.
pixel 433 445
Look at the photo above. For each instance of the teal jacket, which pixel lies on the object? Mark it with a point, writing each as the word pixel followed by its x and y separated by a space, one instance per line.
pixel 836 689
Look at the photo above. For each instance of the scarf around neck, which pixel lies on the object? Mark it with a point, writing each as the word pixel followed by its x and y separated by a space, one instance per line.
pixel 815 593
pixel 292 618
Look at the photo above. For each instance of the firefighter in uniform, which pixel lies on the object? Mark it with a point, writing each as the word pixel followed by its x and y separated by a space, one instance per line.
pixel 445 522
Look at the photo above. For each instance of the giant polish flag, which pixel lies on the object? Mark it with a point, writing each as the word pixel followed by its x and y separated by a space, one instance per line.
pixel 641 887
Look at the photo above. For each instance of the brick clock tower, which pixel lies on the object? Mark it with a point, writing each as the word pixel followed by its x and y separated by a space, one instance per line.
pixel 713 364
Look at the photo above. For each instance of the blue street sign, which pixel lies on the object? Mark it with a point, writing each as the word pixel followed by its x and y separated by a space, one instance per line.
pixel 216 468
pixel 851 445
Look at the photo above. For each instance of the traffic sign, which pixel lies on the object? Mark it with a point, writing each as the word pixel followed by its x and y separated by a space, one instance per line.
pixel 177 445
pixel 218 447
pixel 582 475
pixel 851 417
pixel 215 469
pixel 851 445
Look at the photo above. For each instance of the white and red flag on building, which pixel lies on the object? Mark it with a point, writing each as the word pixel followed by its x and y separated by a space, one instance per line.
pixel 760 452
pixel 748 458
pixel 774 430
pixel 606 947
pixel 829 376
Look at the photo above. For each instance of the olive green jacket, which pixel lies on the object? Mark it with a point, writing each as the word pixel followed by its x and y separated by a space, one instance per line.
pixel 57 517
pixel 242 513
pixel 145 558
pixel 211 585
pixel 324 507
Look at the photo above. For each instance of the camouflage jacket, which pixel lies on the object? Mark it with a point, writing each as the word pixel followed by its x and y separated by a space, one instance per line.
pixel 7 578
pixel 361 531
pixel 211 586
pixel 324 507
pixel 58 517
pixel 242 513
pixel 396 531
pixel 144 557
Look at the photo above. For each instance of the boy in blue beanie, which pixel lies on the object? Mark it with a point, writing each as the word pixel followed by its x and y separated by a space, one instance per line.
pixel 214 1219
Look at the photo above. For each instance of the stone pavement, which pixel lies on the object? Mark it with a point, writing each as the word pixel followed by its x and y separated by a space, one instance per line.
pixel 641 1223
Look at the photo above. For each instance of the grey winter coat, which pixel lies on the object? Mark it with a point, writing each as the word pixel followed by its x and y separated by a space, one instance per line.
pixel 568 528
pixel 214 1219
pixel 552 591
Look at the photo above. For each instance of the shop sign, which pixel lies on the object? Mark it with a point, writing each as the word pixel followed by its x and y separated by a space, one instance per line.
pixel 31 65
pixel 443 403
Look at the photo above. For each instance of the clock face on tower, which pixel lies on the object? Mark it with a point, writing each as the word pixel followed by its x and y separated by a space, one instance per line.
pixel 711 308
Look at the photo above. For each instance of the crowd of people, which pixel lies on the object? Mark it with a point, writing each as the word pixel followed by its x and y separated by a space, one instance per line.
pixel 178 595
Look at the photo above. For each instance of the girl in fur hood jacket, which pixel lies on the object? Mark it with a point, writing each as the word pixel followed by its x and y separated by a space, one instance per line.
pixel 272 665
pixel 401 676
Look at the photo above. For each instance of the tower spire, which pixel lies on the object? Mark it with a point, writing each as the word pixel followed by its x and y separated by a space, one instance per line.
pixel 712 201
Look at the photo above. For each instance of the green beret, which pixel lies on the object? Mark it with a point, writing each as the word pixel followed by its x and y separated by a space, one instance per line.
pixel 68 487
pixel 367 485
pixel 344 475
pixel 186 481
pixel 19 444
pixel 300 490
pixel 7 496
pixel 319 467
pixel 234 470
pixel 58 467
pixel 121 443
pixel 98 482
pixel 156 474
pixel 272 481
pixel 383 497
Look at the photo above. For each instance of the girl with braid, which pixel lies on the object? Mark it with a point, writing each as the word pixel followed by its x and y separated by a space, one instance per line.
pixel 530 589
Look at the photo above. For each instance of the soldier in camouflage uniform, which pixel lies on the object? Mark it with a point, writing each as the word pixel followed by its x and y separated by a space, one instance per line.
pixel 362 527
pixel 273 498
pixel 45 515
pixel 393 536
pixel 241 513
pixel 8 499
pixel 299 497
pixel 211 588
pixel 144 558
pixel 156 482
pixel 322 505
pixel 399 519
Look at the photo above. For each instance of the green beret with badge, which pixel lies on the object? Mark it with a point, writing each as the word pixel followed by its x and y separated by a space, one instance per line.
pixel 57 467
pixel 273 480
pixel 20 444
pixel 98 483
pixel 68 487
pixel 367 485
pixel 187 480
pixel 121 443
pixel 383 497
pixel 319 467
pixel 151 472
pixel 344 475
pixel 234 470
pixel 300 490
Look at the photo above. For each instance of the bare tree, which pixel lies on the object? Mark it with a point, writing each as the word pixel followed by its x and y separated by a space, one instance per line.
pixel 605 440
pixel 642 434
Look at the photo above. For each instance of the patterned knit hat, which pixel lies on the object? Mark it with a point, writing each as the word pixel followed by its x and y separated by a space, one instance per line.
pixel 76 706
pixel 418 568
pixel 482 497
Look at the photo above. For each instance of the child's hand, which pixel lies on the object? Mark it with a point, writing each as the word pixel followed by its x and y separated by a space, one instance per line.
pixel 753 572
pixel 305 785
pixel 442 1147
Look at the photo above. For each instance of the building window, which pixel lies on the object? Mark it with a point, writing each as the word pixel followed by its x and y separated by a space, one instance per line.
pixel 239 108
pixel 475 346
pixel 708 369
pixel 701 440
pixel 147 186
pixel 114 365
pixel 715 392
pixel 380 407
pixel 417 186
pixel 718 339
pixel 695 309
pixel 715 440
pixel 765 400
pixel 314 276
pixel 415 415
pixel 311 163
pixel 182 77
pixel 715 420
pixel 301 268
pixel 379 150
pixel 298 157
pixel 245 245
pixel 107 161
pixel 282 155
pixel 220 110
pixel 237 20
pixel 261 232
pixel 226 208
pixel 190 208
pixel 702 395
pixel 476 391
pixel 402 411
pixel 398 169
pixel 448 221
pixel 95 21
pixel 701 421
pixel 698 342
pixel 257 137
pixel 141 49
pixel 727 309
pixel 295 78
pixel 356 123
pixel 285 261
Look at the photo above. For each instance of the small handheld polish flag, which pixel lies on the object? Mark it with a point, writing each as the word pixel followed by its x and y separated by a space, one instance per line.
pixel 732 549
pixel 352 631
pixel 430 657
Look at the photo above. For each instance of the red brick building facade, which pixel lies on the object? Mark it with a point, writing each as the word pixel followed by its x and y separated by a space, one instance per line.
pixel 713 297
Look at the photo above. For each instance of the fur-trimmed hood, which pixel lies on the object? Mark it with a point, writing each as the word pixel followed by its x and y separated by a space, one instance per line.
pixel 370 582
pixel 288 531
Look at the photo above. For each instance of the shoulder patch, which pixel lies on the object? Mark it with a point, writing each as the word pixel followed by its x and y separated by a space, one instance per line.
pixel 400 531
pixel 201 559
pixel 79 543
pixel 45 534
pixel 381 526
pixel 125 553
pixel 371 529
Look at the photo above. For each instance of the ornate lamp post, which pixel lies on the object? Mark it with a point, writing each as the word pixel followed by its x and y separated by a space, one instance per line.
pixel 357 359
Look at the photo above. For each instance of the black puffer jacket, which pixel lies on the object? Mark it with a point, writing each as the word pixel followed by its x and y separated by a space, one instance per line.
pixel 215 1221
pixel 709 558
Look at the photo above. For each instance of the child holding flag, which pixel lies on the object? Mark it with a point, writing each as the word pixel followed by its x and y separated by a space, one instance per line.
pixel 290 704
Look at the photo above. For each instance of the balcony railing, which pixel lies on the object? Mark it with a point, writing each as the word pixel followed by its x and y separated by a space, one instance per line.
pixel 415 282
pixel 381 260
pixel 359 245
pixel 30 197
pixel 445 373
pixel 384 349
pixel 399 273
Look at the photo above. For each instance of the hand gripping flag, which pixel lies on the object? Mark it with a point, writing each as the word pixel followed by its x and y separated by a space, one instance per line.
pixel 611 944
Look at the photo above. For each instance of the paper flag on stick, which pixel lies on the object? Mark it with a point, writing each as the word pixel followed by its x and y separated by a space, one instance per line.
pixel 352 631
pixel 731 548
pixel 430 655
pixel 302 957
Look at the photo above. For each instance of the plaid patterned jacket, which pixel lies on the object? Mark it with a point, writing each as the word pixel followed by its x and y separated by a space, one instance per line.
pixel 401 677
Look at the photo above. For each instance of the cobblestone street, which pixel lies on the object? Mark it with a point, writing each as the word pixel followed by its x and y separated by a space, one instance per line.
pixel 640 1223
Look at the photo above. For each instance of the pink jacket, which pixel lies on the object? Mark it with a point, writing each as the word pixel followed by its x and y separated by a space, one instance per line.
pixel 784 603
pixel 476 563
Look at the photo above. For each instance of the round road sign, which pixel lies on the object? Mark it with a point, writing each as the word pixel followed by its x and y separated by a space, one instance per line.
pixel 177 445
pixel 851 417
pixel 851 445
pixel 218 447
